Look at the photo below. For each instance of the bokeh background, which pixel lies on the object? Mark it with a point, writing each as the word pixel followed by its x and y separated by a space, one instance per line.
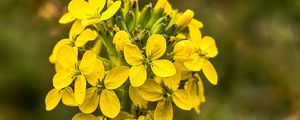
pixel 258 63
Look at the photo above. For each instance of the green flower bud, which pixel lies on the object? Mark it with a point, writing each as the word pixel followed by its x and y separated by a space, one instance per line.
pixel 158 22
pixel 130 21
pixel 159 28
pixel 145 15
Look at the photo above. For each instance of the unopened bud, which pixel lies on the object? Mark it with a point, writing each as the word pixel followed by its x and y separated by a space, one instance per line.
pixel 130 21
pixel 145 15
pixel 185 19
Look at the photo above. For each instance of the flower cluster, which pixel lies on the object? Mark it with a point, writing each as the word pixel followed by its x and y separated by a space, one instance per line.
pixel 132 63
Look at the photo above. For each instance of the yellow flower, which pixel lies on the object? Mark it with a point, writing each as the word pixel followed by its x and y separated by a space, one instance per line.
pixel 91 12
pixel 102 93
pixel 78 37
pixel 155 48
pixel 161 70
pixel 152 91
pixel 204 48
pixel 121 39
pixel 55 95
pixel 73 69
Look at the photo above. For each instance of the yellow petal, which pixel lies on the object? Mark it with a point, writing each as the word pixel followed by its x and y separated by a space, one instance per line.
pixel 97 74
pixel 66 18
pixel 68 97
pixel 91 101
pixel 208 47
pixel 124 116
pixel 181 36
pixel 121 39
pixel 191 87
pixel 79 9
pixel 195 88
pixel 109 103
pixel 201 91
pixel 160 4
pixel 136 99
pixel 88 62
pixel 196 64
pixel 196 23
pixel 210 72
pixel 80 89
pixel 52 99
pixel 185 73
pixel 90 21
pixel 163 68
pixel 182 99
pixel 97 47
pixel 82 116
pixel 62 79
pixel 168 9
pixel 67 57
pixel 183 50
pixel 133 55
pixel 76 29
pixel 156 46
pixel 97 5
pixel 185 19
pixel 180 66
pixel 58 67
pixel 163 110
pixel 111 11
pixel 137 75
pixel 151 91
pixel 58 45
pixel 173 81
pixel 85 36
pixel 157 79
pixel 195 36
pixel 142 118
pixel 109 3
pixel 198 88
pixel 116 77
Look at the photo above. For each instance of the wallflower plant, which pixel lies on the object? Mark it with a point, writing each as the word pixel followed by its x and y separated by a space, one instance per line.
pixel 130 62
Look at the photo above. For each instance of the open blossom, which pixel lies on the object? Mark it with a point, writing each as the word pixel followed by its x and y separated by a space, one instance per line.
pixel 121 59
pixel 155 48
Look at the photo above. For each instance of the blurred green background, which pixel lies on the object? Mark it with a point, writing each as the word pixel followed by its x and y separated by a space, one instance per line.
pixel 258 62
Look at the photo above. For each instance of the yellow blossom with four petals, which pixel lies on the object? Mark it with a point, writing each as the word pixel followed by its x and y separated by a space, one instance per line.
pixel 155 48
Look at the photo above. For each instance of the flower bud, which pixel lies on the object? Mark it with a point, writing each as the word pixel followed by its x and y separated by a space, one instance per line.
pixel 185 19
pixel 145 15
pixel 121 22
pixel 130 21
pixel 159 28
pixel 160 21
pixel 121 39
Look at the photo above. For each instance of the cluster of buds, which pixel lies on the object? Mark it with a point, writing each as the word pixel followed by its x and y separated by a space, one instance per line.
pixel 132 63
